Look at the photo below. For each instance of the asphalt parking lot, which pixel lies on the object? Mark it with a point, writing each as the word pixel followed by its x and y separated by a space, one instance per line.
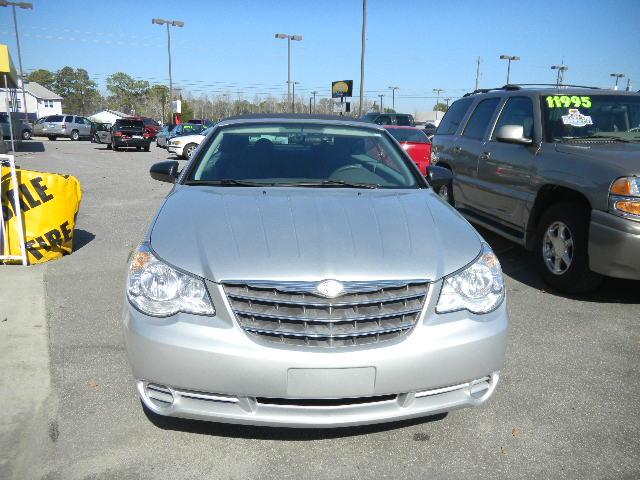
pixel 568 405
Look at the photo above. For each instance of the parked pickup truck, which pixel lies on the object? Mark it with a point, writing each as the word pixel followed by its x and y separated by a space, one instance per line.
pixel 127 133
pixel 556 170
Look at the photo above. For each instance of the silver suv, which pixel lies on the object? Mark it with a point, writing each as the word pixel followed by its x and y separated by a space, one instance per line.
pixel 555 169
pixel 303 273
pixel 69 126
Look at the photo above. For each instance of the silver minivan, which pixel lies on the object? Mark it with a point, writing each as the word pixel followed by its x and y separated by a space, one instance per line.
pixel 69 126
pixel 303 273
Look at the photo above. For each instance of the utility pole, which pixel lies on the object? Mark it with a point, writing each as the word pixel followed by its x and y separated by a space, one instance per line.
pixel 628 84
pixel 437 91
pixel 314 93
pixel 447 100
pixel 309 105
pixel 617 76
pixel 364 41
pixel 478 73
pixel 393 97
pixel 293 104
pixel 381 95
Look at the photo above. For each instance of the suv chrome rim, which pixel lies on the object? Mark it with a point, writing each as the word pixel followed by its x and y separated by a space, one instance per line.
pixel 557 248
pixel 190 151
pixel 443 192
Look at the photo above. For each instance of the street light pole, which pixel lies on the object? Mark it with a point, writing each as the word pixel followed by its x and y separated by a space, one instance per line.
pixel 617 76
pixel 25 6
pixel 560 76
pixel 314 93
pixel 510 58
pixel 364 41
pixel 169 23
pixel 393 97
pixel 437 91
pixel 297 38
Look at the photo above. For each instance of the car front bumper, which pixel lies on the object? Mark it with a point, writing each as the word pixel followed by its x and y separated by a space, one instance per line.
pixel 208 368
pixel 614 245
pixel 175 149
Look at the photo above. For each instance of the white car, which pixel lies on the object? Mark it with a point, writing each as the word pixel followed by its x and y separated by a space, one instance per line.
pixel 185 145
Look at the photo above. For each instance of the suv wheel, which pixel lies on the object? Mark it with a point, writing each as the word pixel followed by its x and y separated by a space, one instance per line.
pixel 562 249
pixel 26 134
pixel 75 135
pixel 446 193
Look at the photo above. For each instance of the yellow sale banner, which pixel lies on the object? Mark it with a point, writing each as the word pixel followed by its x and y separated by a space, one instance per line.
pixel 49 204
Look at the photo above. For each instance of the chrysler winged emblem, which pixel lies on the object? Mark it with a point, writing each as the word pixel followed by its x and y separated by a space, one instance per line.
pixel 329 288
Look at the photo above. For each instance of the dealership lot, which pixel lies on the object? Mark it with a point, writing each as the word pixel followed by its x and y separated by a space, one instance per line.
pixel 567 405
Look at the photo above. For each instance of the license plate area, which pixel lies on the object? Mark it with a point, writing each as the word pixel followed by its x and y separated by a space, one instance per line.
pixel 331 382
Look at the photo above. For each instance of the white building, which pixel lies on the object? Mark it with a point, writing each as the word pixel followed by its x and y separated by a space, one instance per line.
pixel 40 100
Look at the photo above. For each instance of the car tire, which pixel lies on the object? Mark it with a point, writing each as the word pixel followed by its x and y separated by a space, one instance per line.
pixel 445 192
pixel 115 148
pixel 138 148
pixel 562 249
pixel 26 135
pixel 52 138
pixel 188 150
pixel 75 135
pixel 109 146
pixel 147 148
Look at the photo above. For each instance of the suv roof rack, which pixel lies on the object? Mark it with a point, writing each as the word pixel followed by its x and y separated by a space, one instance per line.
pixel 518 86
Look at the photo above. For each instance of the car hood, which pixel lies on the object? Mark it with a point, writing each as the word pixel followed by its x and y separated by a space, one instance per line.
pixel 623 157
pixel 307 234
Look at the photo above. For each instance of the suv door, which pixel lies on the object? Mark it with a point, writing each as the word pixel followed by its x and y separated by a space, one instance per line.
pixel 469 147
pixel 504 170
pixel 84 126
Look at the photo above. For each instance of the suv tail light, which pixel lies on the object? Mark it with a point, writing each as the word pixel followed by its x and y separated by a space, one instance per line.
pixel 64 126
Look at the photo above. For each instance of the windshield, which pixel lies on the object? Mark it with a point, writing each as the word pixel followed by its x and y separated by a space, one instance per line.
pixel 125 123
pixel 408 135
pixel 573 118
pixel 302 155
pixel 189 129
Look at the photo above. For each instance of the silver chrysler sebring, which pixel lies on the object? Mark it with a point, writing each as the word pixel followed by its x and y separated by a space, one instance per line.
pixel 302 273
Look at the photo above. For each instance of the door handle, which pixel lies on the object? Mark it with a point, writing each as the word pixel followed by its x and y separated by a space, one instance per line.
pixel 485 156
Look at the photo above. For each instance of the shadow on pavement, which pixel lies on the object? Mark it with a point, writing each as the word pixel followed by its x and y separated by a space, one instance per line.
pixel 81 238
pixel 277 433
pixel 30 147
pixel 519 264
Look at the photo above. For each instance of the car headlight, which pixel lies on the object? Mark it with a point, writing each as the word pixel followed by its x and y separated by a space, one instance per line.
pixel 624 197
pixel 159 290
pixel 478 288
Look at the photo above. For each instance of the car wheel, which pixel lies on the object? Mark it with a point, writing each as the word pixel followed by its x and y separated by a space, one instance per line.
pixel 26 135
pixel 188 150
pixel 147 148
pixel 75 135
pixel 115 148
pixel 562 249
pixel 138 148
pixel 109 146
pixel 52 138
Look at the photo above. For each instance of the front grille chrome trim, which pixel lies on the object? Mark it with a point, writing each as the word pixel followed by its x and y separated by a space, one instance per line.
pixel 296 313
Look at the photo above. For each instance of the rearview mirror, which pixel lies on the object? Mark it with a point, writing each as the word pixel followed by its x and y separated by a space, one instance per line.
pixel 165 171
pixel 512 134
pixel 439 176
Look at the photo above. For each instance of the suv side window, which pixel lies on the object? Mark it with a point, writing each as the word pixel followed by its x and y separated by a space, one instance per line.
pixel 384 120
pixel 403 120
pixel 451 121
pixel 68 119
pixel 480 118
pixel 517 111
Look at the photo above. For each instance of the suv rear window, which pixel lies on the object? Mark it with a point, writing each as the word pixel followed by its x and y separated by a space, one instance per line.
pixel 404 120
pixel 54 118
pixel 125 123
pixel 452 119
pixel 480 118
pixel 408 135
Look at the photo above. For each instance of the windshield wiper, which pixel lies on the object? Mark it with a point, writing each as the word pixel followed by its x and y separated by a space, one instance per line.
pixel 330 183
pixel 228 182
pixel 599 137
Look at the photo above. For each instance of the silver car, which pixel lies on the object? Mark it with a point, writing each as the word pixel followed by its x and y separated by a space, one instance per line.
pixel 302 273
pixel 69 126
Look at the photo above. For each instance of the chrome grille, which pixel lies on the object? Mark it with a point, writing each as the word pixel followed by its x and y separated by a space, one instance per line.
pixel 291 312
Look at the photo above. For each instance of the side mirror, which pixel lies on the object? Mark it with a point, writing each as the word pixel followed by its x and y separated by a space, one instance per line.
pixel 512 134
pixel 165 171
pixel 439 176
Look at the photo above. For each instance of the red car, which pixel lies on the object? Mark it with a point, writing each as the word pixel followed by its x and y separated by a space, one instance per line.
pixel 150 126
pixel 416 144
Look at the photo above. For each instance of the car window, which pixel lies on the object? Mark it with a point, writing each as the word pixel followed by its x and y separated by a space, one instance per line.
pixel 480 118
pixel 408 135
pixel 517 111
pixel 68 118
pixel 452 119
pixel 403 120
pixel 383 120
pixel 308 154
pixel 126 123
pixel 55 118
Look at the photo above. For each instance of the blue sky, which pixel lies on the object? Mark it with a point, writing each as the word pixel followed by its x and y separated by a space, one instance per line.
pixel 229 46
